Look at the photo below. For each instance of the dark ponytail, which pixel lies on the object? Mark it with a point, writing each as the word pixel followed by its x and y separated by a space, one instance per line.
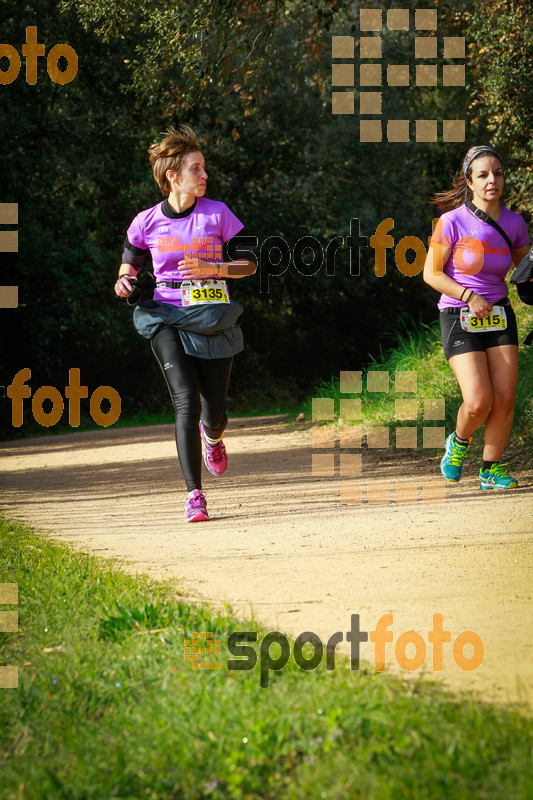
pixel 457 195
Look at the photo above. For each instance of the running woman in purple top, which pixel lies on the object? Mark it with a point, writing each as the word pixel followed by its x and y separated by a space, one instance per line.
pixel 467 262
pixel 188 238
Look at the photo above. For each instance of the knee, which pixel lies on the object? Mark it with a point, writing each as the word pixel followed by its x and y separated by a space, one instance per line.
pixel 186 405
pixel 478 405
pixel 503 402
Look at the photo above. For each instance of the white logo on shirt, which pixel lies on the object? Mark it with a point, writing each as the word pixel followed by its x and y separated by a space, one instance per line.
pixel 163 228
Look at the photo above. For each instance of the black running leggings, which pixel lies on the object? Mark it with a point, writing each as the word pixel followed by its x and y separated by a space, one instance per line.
pixel 196 385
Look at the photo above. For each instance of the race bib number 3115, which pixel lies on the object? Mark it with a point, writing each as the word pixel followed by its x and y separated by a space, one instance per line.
pixel 496 321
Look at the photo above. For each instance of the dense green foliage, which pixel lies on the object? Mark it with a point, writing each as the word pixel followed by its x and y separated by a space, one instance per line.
pixel 502 89
pixel 107 706
pixel 254 79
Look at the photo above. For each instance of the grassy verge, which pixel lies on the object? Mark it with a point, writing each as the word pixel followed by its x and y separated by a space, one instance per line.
pixel 420 351
pixel 108 708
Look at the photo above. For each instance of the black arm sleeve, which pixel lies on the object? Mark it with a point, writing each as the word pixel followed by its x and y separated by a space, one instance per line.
pixel 239 247
pixel 133 255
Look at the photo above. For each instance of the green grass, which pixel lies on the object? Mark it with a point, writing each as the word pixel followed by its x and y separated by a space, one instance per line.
pixel 421 351
pixel 108 708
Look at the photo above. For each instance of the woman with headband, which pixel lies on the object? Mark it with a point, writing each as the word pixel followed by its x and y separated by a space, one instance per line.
pixel 474 245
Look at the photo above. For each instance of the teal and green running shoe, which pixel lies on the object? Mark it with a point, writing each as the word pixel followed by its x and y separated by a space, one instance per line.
pixel 496 478
pixel 451 464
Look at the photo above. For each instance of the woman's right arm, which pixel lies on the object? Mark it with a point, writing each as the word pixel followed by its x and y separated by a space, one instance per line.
pixel 132 262
pixel 123 286
pixel 436 260
pixel 434 274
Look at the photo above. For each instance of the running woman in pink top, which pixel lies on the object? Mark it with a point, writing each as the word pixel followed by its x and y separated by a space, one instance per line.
pixel 467 262
pixel 187 236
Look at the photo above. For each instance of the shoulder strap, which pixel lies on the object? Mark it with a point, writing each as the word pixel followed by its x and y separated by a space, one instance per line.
pixel 480 214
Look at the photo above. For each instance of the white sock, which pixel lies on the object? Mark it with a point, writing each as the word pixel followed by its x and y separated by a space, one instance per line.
pixel 191 494
pixel 212 441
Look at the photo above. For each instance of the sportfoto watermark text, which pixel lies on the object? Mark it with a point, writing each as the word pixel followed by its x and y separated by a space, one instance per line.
pixel 274 255
pixel 246 656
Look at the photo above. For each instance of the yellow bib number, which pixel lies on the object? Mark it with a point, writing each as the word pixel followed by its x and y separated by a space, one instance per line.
pixel 196 293
pixel 496 321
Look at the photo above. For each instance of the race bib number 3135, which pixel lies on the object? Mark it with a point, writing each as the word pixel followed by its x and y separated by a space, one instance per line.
pixel 202 292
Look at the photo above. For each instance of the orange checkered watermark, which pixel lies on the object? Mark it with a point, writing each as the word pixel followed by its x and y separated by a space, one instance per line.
pixel 198 649
pixel 9 623
pixel 432 56
pixel 355 487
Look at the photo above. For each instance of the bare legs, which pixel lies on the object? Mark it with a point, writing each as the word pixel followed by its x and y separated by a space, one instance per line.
pixel 488 384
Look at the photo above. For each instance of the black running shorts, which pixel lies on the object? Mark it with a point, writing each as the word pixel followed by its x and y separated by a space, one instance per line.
pixel 455 340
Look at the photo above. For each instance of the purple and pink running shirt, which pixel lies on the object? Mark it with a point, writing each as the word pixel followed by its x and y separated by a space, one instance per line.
pixel 199 234
pixel 455 228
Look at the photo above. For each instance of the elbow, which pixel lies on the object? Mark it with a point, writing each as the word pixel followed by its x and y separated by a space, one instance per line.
pixel 428 275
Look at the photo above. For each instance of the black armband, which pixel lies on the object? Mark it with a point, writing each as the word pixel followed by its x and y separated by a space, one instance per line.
pixel 133 255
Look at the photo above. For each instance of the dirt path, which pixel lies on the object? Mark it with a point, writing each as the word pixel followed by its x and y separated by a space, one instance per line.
pixel 280 544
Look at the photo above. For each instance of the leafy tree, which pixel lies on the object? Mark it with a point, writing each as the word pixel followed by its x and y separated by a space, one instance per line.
pixel 192 47
pixel 500 57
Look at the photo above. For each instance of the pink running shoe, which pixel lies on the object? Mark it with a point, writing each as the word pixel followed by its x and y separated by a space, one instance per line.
pixel 196 508
pixel 215 456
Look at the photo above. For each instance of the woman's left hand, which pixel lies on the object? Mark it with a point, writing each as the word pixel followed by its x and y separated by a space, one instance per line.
pixel 479 305
pixel 196 269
